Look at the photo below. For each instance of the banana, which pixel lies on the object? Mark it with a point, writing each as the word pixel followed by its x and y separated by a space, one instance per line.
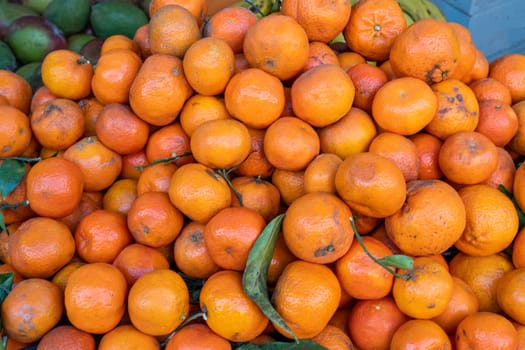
pixel 420 9
pixel 414 8
pixel 433 11
pixel 261 8
pixel 408 18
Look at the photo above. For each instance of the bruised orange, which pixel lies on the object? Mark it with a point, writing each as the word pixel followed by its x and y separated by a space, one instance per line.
pixel 409 51
pixel 190 253
pixel 430 221
pixel 316 227
pixel 426 290
pixel 31 309
pixel 15 131
pixel 153 220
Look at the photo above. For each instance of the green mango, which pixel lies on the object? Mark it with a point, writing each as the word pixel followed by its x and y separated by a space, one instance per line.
pixel 71 16
pixel 37 5
pixel 9 12
pixel 32 37
pixel 7 57
pixel 32 72
pixel 116 17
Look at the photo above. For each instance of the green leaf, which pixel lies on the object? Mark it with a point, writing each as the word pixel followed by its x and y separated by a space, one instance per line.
pixel 11 173
pixel 6 281
pixel 256 271
pixel 300 345
pixel 2 223
pixel 398 260
pixel 194 286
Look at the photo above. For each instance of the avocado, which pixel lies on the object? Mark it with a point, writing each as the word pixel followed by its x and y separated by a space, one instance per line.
pixel 116 17
pixel 71 16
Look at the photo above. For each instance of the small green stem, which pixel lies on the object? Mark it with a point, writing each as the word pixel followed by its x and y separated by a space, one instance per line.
pixel 14 205
pixel 225 173
pixel 23 159
pixel 162 160
pixel 380 262
pixel 184 323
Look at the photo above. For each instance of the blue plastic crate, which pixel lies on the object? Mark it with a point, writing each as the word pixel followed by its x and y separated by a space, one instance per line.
pixel 472 6
pixel 497 26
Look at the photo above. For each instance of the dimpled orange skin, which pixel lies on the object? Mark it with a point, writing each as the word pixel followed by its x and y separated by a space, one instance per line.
pixel 162 73
pixel 255 97
pixel 95 302
pixel 306 296
pixel 99 165
pixel 67 74
pixel 31 309
pixel 229 311
pixel 322 95
pixel 40 247
pixel 427 291
pixel 15 131
pixel 198 192
pixel 431 220
pixel 371 184
pixel 54 182
pixel 221 144
pixel 158 302
pixel 282 53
